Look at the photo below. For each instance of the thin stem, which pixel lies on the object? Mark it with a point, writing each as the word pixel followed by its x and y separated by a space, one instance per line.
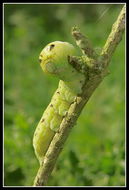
pixel 83 43
pixel 115 37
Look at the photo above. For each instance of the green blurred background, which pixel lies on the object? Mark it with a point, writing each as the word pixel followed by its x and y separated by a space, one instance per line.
pixel 95 150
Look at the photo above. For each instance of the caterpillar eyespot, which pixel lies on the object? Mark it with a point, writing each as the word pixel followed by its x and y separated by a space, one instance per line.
pixel 52 46
pixel 54 60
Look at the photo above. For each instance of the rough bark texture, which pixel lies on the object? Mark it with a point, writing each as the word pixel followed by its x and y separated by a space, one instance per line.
pixel 95 78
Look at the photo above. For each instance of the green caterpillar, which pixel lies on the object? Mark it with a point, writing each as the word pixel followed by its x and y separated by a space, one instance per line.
pixel 54 60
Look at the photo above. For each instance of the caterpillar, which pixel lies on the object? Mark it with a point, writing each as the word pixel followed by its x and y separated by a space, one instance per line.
pixel 54 61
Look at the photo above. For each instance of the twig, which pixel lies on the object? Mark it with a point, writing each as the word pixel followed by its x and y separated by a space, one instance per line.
pixel 115 37
pixel 76 108
pixel 84 43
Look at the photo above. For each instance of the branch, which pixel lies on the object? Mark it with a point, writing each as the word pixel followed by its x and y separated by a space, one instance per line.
pixel 114 38
pixel 84 43
pixel 92 83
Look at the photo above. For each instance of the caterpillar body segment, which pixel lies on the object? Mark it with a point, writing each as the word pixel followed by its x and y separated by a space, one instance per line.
pixel 51 119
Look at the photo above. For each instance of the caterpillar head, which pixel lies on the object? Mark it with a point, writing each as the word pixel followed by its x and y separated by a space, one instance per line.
pixel 54 58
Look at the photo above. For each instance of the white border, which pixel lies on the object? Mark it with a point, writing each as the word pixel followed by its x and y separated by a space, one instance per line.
pixel 3 96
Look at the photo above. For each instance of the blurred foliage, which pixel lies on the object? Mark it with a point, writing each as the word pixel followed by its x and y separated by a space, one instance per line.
pixel 94 153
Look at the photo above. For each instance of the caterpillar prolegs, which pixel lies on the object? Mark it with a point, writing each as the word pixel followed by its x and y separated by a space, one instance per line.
pixel 54 61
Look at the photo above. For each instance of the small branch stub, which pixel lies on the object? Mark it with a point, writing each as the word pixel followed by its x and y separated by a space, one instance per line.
pixel 84 43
